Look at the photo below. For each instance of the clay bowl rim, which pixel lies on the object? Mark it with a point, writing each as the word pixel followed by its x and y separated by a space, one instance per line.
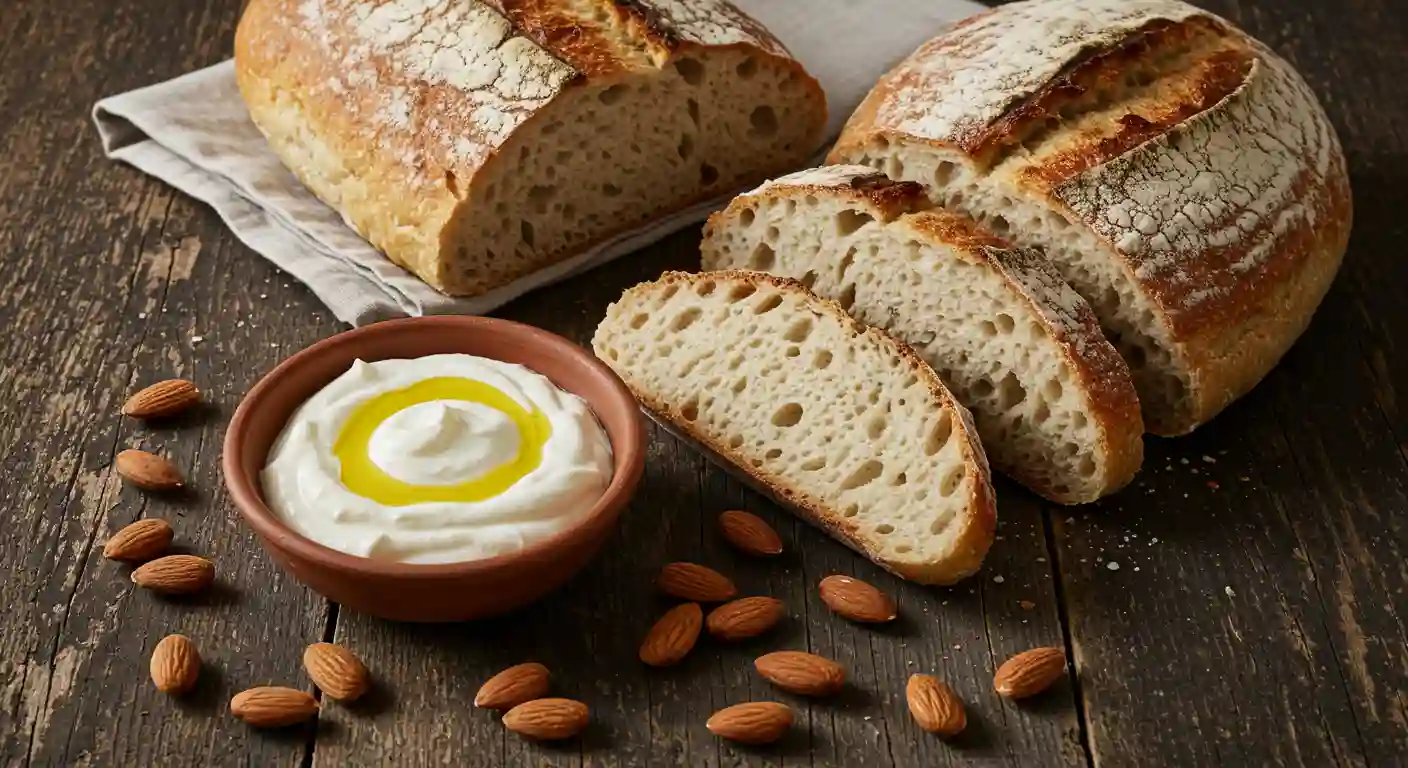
pixel 629 458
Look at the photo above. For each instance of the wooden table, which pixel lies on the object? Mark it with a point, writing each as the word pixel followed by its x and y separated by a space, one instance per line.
pixel 1243 604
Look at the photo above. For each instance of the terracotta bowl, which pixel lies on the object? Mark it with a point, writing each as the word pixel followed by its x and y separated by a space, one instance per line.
pixel 454 591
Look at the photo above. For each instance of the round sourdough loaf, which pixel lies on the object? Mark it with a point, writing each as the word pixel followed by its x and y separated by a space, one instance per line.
pixel 477 141
pixel 1181 176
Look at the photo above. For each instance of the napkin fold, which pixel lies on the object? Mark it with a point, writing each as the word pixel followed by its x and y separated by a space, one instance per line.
pixel 193 133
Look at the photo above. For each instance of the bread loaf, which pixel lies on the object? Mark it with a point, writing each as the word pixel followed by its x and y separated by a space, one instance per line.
pixel 836 418
pixel 1053 401
pixel 477 141
pixel 1181 176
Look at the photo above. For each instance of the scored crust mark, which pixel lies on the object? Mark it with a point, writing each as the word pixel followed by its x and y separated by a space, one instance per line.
pixel 924 511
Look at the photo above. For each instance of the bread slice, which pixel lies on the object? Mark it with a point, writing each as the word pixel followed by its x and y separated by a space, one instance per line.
pixel 477 141
pixel 839 420
pixel 1180 175
pixel 1053 401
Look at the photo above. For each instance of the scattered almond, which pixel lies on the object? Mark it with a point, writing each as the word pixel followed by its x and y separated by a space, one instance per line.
pixel 757 722
pixel 336 671
pixel 175 574
pixel 857 600
pixel 1030 672
pixel 175 665
pixel 673 636
pixel 161 400
pixel 513 686
pixel 935 707
pixel 801 672
pixel 689 581
pixel 750 533
pixel 140 541
pixel 548 719
pixel 744 618
pixel 147 471
pixel 273 706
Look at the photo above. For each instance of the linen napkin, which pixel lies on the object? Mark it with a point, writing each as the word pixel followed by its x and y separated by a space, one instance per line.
pixel 193 132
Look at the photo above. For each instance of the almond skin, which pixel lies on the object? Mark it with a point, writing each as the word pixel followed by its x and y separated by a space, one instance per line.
pixel 548 719
pixel 336 671
pixel 750 534
pixel 140 541
pixel 673 636
pixel 801 672
pixel 273 706
pixel 935 707
pixel 695 583
pixel 175 575
pixel 1030 672
pixel 745 617
pixel 857 600
pixel 513 686
pixel 147 471
pixel 175 665
pixel 757 722
pixel 162 400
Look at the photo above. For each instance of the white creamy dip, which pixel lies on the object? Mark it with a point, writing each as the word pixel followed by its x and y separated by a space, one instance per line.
pixel 438 459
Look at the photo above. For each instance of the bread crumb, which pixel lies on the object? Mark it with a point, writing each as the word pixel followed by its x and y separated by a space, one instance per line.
pixel 1229 591
pixel 1112 565
pixel 1027 605
pixel 998 579
pixel 197 339
pixel 1209 460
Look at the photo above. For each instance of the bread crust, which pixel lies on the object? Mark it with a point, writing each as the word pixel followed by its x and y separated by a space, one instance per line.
pixel 971 543
pixel 389 110
pixel 1221 190
pixel 1104 378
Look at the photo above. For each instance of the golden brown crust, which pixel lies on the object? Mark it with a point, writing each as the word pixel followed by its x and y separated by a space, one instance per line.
pixel 1199 158
pixel 979 527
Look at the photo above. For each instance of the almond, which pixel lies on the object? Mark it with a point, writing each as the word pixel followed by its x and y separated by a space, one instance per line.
pixel 1030 672
pixel 336 671
pixel 672 637
pixel 273 706
pixel 513 686
pixel 175 574
pixel 750 533
pixel 161 400
pixel 689 581
pixel 548 719
pixel 857 600
pixel 140 541
pixel 744 618
pixel 935 707
pixel 757 722
pixel 147 471
pixel 175 665
pixel 801 672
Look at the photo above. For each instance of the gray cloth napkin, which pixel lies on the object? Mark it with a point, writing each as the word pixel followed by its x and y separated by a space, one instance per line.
pixel 193 132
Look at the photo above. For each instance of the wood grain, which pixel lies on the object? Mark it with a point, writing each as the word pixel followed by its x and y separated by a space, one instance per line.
pixel 1255 614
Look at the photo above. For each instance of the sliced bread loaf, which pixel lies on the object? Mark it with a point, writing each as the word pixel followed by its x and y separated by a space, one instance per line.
pixel 1053 401
pixel 839 420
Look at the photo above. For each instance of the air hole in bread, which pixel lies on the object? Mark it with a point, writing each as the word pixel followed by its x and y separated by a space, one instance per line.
pixel 708 174
pixel 938 436
pixel 1137 357
pixel 741 291
pixel 847 299
pixel 705 287
pixel 1086 467
pixel 812 465
pixel 1054 390
pixel 799 330
pixel 1079 420
pixel 794 351
pixel 1000 225
pixel 764 121
pixel 900 479
pixel 691 70
pixel 790 207
pixel 686 147
pixel 876 427
pixel 693 107
pixel 773 453
pixel 851 510
pixel 787 416
pixel 735 441
pixel 895 168
pixel 747 68
pixel 821 360
pixel 685 319
pixel 880 144
pixel 452 184
pixel 612 95
pixel 747 217
pixel 1043 412
pixel 664 350
pixel 670 291
pixel 525 230
pixel 848 221
pixel 944 173
pixel 610 190
pixel 982 388
pixel 808 279
pixel 904 549
pixel 613 354
pixel 1010 392
pixel 1069 449
pixel 989 329
pixel 884 529
pixel 690 410
pixel 952 480
pixel 769 303
pixel 740 385
pixel 639 320
pixel 763 258
pixel 540 196
pixel 863 475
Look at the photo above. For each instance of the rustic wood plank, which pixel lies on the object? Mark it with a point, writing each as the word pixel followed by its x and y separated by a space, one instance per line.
pixel 109 278
pixel 1261 621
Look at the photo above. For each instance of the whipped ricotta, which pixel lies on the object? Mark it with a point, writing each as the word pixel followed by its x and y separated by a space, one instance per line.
pixel 438 459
